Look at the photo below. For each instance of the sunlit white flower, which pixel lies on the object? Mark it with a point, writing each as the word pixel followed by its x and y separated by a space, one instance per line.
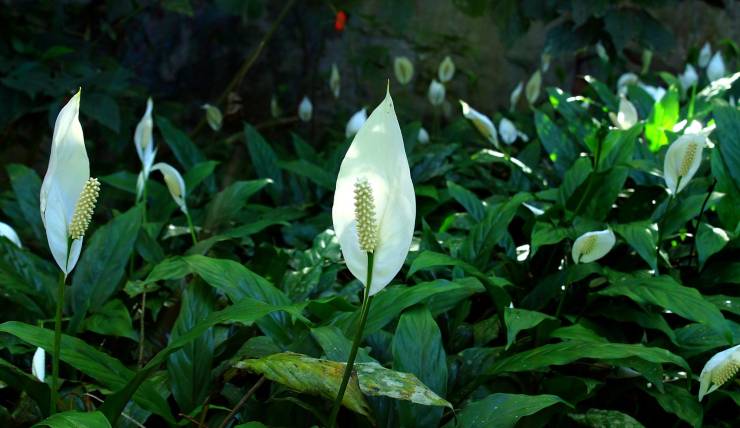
pixel 716 68
pixel 423 136
pixel 722 367
pixel 334 81
pixel 446 70
pixel 592 246
pixel 355 123
pixel 214 118
pixel 404 69
pixel 601 52
pixel 626 118
pixel 532 91
pixel 436 93
pixel 175 184
pixel 682 160
pixel 68 194
pixel 688 78
pixel 482 123
pixel 705 55
pixel 374 205
pixel 624 82
pixel 144 140
pixel 515 94
pixel 697 128
pixel 8 232
pixel 275 109
pixel 305 110
pixel 656 92
pixel 507 130
pixel 38 364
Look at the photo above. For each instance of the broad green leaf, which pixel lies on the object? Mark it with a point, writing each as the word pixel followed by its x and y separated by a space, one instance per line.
pixel 642 236
pixel 227 203
pixel 502 410
pixel 467 199
pixel 664 116
pixel 102 108
pixel 710 240
pixel 725 303
pixel 336 346
pixel 75 419
pixel 598 418
pixel 315 173
pixel 26 280
pixel 521 319
pixel 666 293
pixel 546 234
pixel 728 137
pixel 26 186
pixel 566 352
pixel 106 370
pixel 611 102
pixel 619 147
pixel 555 141
pixel 103 262
pixel 264 159
pixel 111 319
pixel 598 193
pixel 677 400
pixel 186 152
pixel 418 349
pixel 21 380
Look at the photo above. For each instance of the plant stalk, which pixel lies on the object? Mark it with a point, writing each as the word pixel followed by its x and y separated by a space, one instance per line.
pixel 191 227
pixel 141 329
pixel 57 343
pixel 366 299
pixel 698 222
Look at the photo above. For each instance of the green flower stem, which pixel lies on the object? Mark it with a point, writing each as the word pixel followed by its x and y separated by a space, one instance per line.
pixel 671 198
pixel 192 228
pixel 143 200
pixel 57 343
pixel 366 299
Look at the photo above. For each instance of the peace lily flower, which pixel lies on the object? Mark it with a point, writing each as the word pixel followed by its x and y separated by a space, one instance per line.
pixel 68 194
pixel 374 207
pixel 436 93
pixel 601 52
pixel 705 55
pixel 688 78
pixel 481 122
pixel 515 94
pixel 532 91
pixel 592 246
pixel 423 136
pixel 275 109
pixel 682 160
pixel 626 118
pixel 355 123
pixel 545 59
pixel 305 110
pixel 655 91
pixel 144 142
pixel 446 70
pixel 716 68
pixel 508 131
pixel 334 82
pixel 8 232
pixel 213 116
pixel 38 364
pixel 404 69
pixel 175 184
pixel 722 367
pixel 625 81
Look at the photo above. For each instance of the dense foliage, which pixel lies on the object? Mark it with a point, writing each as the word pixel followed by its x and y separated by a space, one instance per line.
pixel 233 305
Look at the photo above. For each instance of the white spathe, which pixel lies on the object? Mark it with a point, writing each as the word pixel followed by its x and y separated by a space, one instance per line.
pixel 624 82
pixel 68 171
pixel 716 68
pixel 482 123
pixel 175 184
pixel 626 117
pixel 446 70
pixel 305 109
pixel 334 81
pixel 705 55
pixel 722 367
pixel 532 91
pixel 423 136
pixel 376 155
pixel 9 232
pixel 38 364
pixel 355 123
pixel 144 140
pixel 507 131
pixel 404 69
pixel 682 160
pixel 515 94
pixel 601 52
pixel 592 246
pixel 688 78
pixel 656 92
pixel 436 93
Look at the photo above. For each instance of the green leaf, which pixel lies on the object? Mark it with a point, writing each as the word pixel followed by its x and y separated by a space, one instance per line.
pixel 21 380
pixel 190 367
pixel 315 173
pixel 665 292
pixel 336 346
pixel 664 116
pixel 75 419
pixel 111 319
pixel 502 410
pixel 103 109
pixel 555 141
pixel 103 262
pixel 611 102
pixel 178 6
pixel 185 151
pixel 467 199
pixel 26 280
pixel 566 352
pixel 105 369
pixel 26 186
pixel 710 240
pixel 264 159
pixel 728 136
pixel 418 349
pixel 227 203
pixel 546 234
pixel 642 236
pixel 521 319
pixel 598 418
pixel 680 402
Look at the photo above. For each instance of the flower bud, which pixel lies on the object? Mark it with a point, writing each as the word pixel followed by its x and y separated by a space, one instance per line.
pixel 305 110
pixel 423 136
pixel 481 122
pixel 601 52
pixel 592 246
pixel 213 116
pixel 175 184
pixel 404 69
pixel 705 55
pixel 355 123
pixel 8 232
pixel 716 68
pixel 507 131
pixel 688 78
pixel 532 91
pixel 446 70
pixel 436 93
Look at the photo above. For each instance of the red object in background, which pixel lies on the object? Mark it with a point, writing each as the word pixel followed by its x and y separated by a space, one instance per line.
pixel 340 21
